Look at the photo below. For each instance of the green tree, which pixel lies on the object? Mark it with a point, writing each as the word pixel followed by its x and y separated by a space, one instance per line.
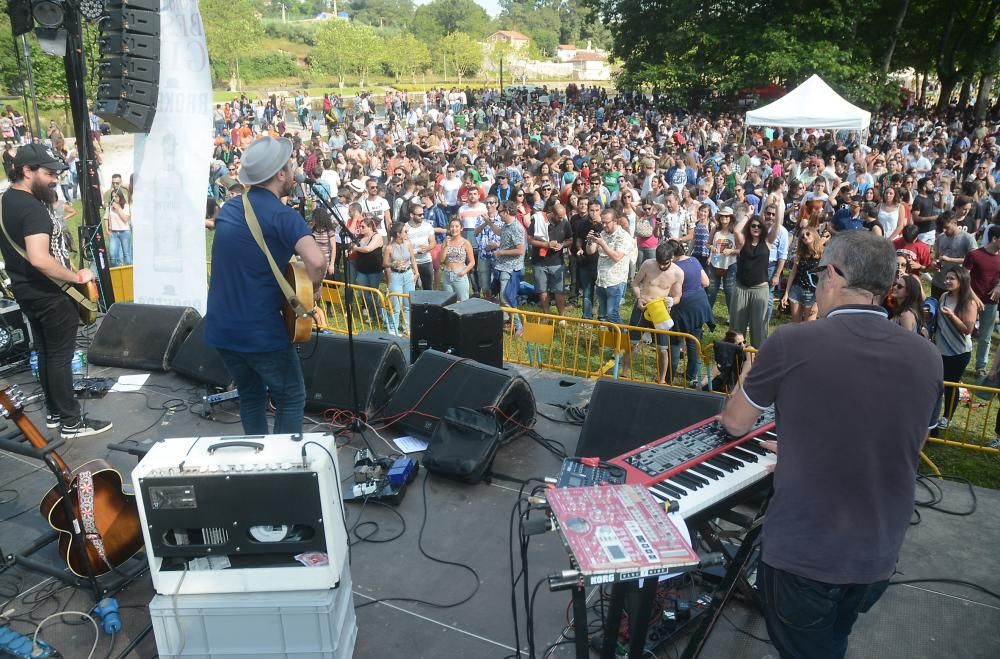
pixel 441 17
pixel 462 53
pixel 332 53
pixel 406 56
pixel 366 51
pixel 232 31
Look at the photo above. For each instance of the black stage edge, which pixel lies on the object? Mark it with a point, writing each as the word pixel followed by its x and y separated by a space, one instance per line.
pixel 469 524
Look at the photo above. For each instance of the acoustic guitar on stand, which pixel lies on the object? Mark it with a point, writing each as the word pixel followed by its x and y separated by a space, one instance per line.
pixel 108 518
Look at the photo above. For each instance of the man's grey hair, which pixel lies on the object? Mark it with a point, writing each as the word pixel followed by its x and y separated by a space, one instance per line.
pixel 867 260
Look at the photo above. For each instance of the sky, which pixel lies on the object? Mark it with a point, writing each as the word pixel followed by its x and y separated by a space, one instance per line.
pixel 492 7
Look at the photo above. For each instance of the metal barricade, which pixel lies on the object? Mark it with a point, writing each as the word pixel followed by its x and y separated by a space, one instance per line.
pixel 972 424
pixel 573 346
pixel 370 308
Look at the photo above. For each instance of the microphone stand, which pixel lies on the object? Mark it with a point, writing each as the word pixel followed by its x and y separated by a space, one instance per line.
pixel 347 238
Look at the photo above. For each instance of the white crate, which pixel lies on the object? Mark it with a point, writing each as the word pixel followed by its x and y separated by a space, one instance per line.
pixel 309 624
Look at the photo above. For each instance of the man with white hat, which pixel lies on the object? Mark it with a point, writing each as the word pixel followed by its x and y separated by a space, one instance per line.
pixel 244 318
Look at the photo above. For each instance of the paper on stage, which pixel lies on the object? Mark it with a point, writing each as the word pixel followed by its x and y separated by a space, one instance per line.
pixel 130 382
pixel 408 444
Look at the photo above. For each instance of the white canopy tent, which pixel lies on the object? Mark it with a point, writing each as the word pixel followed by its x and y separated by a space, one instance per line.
pixel 813 104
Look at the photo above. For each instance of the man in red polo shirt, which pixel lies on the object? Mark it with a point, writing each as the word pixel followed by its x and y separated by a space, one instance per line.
pixel 983 265
pixel 916 251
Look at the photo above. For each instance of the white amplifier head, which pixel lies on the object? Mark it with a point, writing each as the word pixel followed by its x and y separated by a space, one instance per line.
pixel 242 514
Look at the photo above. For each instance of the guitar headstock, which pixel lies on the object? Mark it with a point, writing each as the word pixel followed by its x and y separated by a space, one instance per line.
pixel 11 401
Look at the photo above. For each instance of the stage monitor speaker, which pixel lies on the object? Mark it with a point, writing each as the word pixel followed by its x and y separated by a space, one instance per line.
pixel 625 415
pixel 427 321
pixel 438 381
pixel 199 361
pixel 475 331
pixel 141 336
pixel 380 363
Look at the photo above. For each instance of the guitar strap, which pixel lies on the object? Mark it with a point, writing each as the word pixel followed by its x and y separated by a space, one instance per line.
pixel 65 287
pixel 258 236
pixel 85 489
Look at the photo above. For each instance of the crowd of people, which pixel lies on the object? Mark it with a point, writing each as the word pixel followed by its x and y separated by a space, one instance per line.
pixel 570 192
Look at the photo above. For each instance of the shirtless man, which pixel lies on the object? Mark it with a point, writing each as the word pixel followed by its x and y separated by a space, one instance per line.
pixel 657 279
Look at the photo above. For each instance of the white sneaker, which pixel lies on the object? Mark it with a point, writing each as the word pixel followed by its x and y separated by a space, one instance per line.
pixel 943 423
pixel 995 443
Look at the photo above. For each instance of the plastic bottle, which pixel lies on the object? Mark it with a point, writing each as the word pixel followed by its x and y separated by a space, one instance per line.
pixel 79 363
pixel 34 363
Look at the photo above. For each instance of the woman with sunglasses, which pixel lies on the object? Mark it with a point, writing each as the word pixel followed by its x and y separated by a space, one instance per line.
pixel 904 304
pixel 751 290
pixel 457 261
pixel 367 264
pixel 800 289
pixel 956 319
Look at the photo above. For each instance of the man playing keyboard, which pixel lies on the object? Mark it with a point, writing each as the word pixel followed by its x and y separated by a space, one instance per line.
pixel 854 397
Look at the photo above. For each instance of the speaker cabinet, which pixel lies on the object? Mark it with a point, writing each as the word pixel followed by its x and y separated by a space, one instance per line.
pixel 439 381
pixel 474 328
pixel 380 365
pixel 199 361
pixel 427 321
pixel 625 415
pixel 141 336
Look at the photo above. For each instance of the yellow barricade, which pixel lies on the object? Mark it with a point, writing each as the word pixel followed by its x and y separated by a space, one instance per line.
pixel 121 283
pixel 369 308
pixel 573 346
pixel 972 424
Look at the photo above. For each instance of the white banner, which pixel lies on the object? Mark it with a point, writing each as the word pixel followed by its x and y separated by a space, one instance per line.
pixel 171 168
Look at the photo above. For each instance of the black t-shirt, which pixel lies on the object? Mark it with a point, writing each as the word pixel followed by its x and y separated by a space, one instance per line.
pixel 559 232
pixel 581 227
pixel 925 207
pixel 24 215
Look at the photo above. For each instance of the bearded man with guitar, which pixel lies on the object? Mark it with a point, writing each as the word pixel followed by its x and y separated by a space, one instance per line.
pixel 38 265
pixel 245 297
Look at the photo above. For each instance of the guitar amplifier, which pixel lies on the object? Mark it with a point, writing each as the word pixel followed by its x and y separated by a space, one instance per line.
pixel 242 514
pixel 15 336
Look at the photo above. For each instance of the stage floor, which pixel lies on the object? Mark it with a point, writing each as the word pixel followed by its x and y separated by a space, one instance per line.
pixel 469 524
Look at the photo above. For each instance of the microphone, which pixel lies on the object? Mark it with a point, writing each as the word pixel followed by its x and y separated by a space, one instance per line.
pixel 302 178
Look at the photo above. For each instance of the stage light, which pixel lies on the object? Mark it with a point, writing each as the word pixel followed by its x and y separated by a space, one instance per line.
pixel 48 13
pixel 52 41
pixel 91 9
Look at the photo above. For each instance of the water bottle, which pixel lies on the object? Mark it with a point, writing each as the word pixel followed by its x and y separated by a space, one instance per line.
pixel 79 363
pixel 34 363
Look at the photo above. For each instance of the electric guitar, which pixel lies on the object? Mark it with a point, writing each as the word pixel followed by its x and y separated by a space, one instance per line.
pixel 87 301
pixel 108 518
pixel 299 327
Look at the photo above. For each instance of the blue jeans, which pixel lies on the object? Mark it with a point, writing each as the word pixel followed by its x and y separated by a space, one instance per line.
pixel 588 277
pixel 504 278
pixel 369 300
pixel 120 248
pixel 457 284
pixel 400 282
pixel 609 302
pixel 260 374
pixel 726 281
pixel 770 291
pixel 693 358
pixel 470 235
pixel 987 319
pixel 807 618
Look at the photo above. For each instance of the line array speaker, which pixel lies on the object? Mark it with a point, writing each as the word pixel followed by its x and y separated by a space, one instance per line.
pixel 130 64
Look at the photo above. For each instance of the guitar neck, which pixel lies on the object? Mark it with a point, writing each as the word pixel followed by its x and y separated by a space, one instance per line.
pixel 15 412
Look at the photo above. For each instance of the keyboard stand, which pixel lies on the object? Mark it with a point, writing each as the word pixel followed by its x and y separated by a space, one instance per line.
pixel 734 579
